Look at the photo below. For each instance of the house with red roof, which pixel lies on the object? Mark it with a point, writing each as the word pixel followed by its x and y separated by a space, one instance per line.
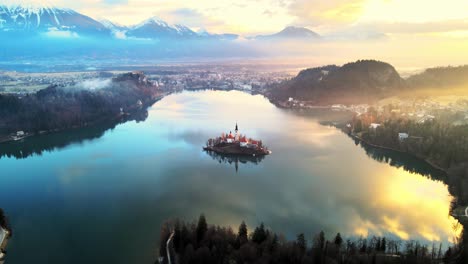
pixel 243 142
pixel 230 138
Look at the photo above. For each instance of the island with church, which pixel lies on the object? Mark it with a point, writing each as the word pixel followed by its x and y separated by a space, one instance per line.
pixel 236 144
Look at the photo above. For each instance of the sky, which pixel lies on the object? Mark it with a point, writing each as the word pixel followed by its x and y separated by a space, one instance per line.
pixel 432 31
pixel 448 17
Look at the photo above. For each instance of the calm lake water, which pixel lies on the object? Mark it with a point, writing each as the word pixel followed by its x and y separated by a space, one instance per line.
pixel 100 196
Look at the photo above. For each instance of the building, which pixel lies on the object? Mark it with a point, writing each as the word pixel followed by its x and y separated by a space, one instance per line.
pixel 235 138
pixel 253 143
pixel 403 136
pixel 230 138
pixel 243 142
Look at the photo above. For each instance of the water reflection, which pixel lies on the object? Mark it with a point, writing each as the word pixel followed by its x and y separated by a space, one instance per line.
pixel 103 200
pixel 235 159
pixel 406 161
pixel 38 145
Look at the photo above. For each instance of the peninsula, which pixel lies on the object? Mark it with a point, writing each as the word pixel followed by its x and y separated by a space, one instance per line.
pixel 58 108
pixel 236 144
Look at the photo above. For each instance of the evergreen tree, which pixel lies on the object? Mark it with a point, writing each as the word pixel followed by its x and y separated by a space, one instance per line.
pixel 274 243
pixel 448 254
pixel 242 234
pixel 338 240
pixel 383 245
pixel 301 243
pixel 202 227
pixel 321 239
pixel 259 234
pixel 358 126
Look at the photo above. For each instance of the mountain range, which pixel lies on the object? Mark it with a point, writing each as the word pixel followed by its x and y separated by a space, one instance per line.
pixel 53 22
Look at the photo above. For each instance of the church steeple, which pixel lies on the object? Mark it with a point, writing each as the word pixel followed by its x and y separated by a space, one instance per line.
pixel 237 129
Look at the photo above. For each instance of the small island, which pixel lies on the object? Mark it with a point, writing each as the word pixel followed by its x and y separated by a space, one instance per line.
pixel 236 144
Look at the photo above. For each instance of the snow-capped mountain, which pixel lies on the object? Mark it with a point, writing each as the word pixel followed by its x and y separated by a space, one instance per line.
pixel 291 33
pixel 28 19
pixel 112 25
pixel 34 18
pixel 155 28
pixel 117 30
pixel 205 34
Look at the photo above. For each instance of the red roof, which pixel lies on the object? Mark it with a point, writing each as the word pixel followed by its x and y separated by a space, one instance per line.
pixel 230 136
pixel 255 142
pixel 243 139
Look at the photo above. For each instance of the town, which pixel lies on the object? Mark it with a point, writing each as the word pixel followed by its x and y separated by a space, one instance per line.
pixel 450 109
pixel 167 78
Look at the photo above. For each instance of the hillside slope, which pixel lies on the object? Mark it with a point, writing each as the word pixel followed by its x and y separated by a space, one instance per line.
pixel 356 82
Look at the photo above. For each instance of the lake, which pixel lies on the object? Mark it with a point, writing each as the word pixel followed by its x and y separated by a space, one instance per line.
pixel 100 195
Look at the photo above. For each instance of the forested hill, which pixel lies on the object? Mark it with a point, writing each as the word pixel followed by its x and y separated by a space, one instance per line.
pixel 356 82
pixel 366 81
pixel 57 108
pixel 440 77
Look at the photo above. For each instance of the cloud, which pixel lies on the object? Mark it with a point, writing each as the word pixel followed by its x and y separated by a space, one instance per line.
pixel 381 30
pixel 114 2
pixel 318 12
pixel 95 84
pixel 427 27
pixel 268 13
pixel 372 17
pixel 188 16
pixel 55 33
pixel 356 32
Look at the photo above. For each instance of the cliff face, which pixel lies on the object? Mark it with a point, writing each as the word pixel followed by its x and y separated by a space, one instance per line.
pixel 357 82
pixel 56 108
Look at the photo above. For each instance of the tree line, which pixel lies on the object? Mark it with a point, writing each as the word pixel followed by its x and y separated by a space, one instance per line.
pixel 203 243
pixel 437 141
pixel 57 108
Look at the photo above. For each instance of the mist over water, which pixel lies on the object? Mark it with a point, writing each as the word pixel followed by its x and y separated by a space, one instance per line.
pixel 103 200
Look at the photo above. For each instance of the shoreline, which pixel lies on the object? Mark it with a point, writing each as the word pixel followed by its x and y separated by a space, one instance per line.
pixel 9 139
pixel 435 166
